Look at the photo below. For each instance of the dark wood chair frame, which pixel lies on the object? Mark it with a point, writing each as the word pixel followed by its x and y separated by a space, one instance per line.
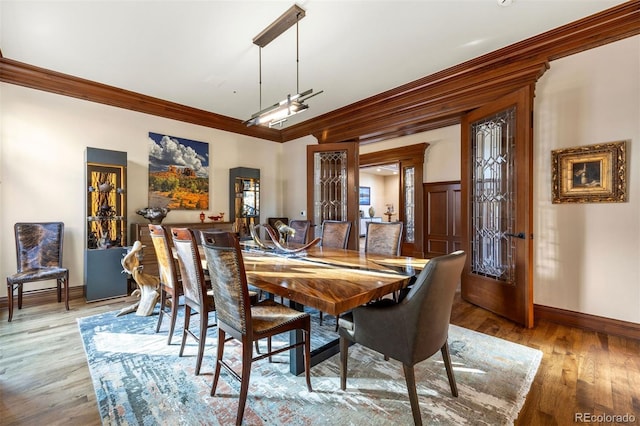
pixel 170 285
pixel 46 266
pixel 235 317
pixel 194 289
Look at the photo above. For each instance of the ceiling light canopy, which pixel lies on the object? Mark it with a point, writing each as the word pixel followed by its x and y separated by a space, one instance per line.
pixel 277 114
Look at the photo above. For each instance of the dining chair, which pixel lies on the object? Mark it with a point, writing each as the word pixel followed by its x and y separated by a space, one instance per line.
pixel 196 296
pixel 383 238
pixel 245 322
pixel 38 258
pixel 412 330
pixel 302 230
pixel 170 285
pixel 335 233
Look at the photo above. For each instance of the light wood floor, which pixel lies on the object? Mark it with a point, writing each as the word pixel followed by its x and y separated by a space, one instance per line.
pixel 44 377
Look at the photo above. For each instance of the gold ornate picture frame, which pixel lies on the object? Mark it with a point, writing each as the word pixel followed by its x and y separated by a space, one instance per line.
pixel 590 174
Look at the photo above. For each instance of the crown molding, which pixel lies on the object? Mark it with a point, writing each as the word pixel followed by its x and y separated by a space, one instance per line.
pixel 434 101
pixel 448 94
pixel 33 77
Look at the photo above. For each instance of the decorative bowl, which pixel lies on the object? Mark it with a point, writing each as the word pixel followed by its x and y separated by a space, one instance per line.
pixel 154 214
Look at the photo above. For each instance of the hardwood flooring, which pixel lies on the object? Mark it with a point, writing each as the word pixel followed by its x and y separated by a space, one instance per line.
pixel 44 377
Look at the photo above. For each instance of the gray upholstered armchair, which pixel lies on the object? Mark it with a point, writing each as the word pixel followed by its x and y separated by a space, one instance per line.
pixel 411 330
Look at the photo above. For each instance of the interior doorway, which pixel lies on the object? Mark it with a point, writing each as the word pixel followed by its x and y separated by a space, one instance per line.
pixel 409 209
pixel 379 195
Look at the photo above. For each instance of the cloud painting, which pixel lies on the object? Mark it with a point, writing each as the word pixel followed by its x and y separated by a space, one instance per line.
pixel 178 173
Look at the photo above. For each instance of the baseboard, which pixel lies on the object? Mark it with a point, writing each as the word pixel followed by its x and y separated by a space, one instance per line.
pixel 34 297
pixel 587 321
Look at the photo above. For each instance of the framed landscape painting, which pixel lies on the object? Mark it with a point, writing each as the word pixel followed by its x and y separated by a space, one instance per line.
pixel 178 173
pixel 365 195
pixel 590 174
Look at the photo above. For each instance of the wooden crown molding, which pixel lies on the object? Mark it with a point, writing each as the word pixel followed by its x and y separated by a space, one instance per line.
pixel 446 95
pixel 434 101
pixel 26 75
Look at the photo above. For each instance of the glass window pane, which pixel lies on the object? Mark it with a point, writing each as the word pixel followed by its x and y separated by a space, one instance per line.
pixel 329 187
pixel 492 195
pixel 410 206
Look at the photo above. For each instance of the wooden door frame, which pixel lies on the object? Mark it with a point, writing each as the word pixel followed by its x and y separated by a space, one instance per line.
pixel 352 179
pixel 405 156
pixel 495 297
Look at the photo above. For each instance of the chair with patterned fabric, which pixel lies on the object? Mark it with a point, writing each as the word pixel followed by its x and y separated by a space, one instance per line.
pixel 383 238
pixel 242 321
pixel 170 286
pixel 39 258
pixel 335 233
pixel 302 230
pixel 196 296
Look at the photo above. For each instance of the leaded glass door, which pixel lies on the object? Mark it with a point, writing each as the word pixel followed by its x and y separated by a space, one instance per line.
pixel 332 186
pixel 497 193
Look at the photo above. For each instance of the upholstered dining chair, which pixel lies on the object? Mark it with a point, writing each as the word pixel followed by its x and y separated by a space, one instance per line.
pixel 335 233
pixel 242 321
pixel 39 258
pixel 412 330
pixel 196 296
pixel 170 286
pixel 383 238
pixel 302 230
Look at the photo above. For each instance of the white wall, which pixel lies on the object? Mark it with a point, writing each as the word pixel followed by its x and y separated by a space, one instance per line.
pixel 43 141
pixel 378 196
pixel 587 256
pixel 442 157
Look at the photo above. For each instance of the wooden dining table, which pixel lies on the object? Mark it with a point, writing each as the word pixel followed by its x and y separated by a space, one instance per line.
pixel 330 280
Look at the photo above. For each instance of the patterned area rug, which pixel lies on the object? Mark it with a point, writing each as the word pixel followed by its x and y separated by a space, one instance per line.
pixel 140 380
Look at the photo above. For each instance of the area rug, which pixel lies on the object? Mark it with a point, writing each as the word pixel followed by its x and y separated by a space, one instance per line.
pixel 140 380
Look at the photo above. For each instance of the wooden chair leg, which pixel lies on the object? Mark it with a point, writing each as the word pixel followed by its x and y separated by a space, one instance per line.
pixel 66 290
pixel 447 363
pixel 185 330
pixel 307 358
pixel 59 289
pixel 10 299
pixel 413 394
pixel 204 321
pixel 163 301
pixel 247 355
pixel 344 355
pixel 174 316
pixel 216 374
pixel 20 296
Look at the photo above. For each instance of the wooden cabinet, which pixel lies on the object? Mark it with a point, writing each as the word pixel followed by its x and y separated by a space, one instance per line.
pixel 442 218
pixel 244 199
pixel 105 224
pixel 140 232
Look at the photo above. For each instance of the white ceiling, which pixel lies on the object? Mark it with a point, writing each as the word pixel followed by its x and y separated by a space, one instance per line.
pixel 200 53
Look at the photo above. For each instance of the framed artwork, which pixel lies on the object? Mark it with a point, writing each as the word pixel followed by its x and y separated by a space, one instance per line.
pixel 365 195
pixel 590 174
pixel 178 173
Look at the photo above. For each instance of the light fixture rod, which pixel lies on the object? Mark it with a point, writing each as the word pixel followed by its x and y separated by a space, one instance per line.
pixel 260 75
pixel 280 25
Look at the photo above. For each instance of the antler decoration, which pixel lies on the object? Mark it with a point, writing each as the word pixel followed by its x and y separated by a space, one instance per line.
pixel 276 240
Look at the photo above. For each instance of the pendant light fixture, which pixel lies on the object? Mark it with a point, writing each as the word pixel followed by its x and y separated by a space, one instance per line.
pixel 277 114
